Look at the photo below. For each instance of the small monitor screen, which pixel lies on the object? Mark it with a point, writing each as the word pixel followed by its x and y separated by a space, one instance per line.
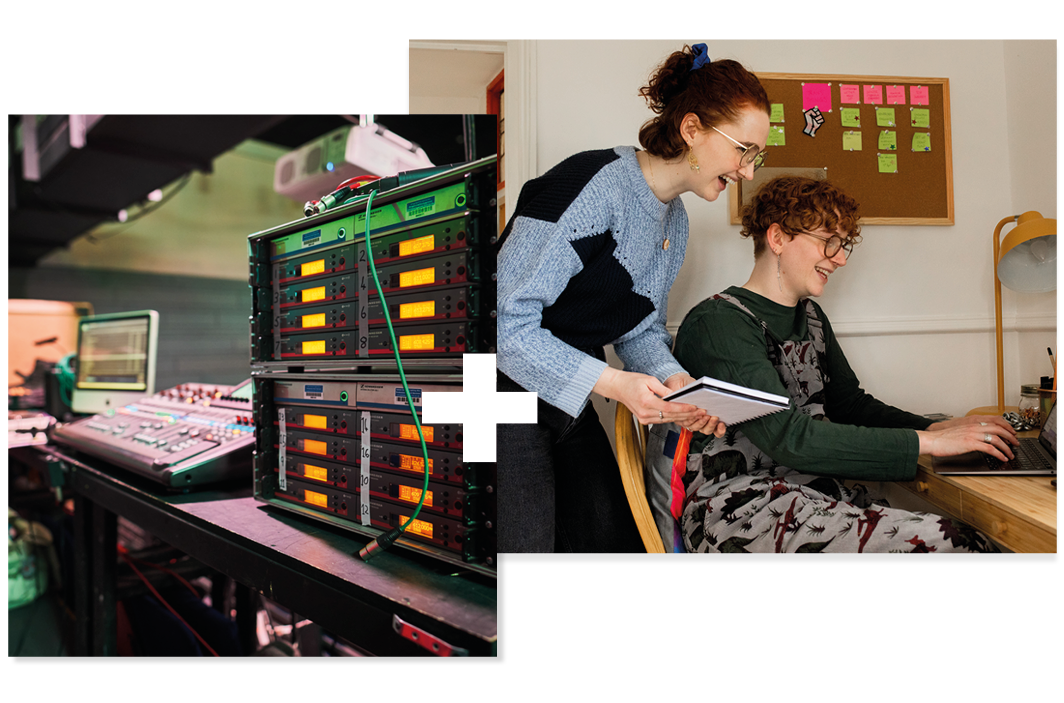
pixel 115 360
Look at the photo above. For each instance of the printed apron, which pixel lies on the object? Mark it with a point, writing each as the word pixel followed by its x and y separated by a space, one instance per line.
pixel 737 499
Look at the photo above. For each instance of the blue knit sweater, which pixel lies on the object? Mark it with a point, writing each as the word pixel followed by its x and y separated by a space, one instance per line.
pixel 582 266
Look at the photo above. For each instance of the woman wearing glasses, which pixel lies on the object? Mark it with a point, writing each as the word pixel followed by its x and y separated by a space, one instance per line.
pixel 587 260
pixel 775 483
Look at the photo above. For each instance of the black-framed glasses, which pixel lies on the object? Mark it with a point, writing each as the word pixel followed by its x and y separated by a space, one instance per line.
pixel 832 244
pixel 752 154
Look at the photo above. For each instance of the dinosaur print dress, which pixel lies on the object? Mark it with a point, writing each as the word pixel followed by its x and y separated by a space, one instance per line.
pixel 737 499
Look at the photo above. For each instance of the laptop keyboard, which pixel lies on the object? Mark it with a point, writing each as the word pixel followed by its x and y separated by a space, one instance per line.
pixel 1027 459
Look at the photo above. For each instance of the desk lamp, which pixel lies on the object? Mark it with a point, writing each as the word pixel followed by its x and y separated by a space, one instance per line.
pixel 1026 262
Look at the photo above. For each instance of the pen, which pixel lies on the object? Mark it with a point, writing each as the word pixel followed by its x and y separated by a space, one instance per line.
pixel 1053 361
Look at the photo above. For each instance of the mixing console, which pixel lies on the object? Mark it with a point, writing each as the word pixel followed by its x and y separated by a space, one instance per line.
pixel 187 435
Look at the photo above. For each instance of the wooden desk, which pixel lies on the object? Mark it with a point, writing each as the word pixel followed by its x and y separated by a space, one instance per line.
pixel 1018 512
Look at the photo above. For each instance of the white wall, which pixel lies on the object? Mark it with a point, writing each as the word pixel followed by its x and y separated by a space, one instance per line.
pixel 1030 74
pixel 452 77
pixel 915 307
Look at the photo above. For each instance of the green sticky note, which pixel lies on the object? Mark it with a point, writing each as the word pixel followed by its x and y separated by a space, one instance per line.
pixel 921 141
pixel 776 137
pixel 885 117
pixel 777 113
pixel 920 117
pixel 888 140
pixel 851 117
pixel 851 141
pixel 888 163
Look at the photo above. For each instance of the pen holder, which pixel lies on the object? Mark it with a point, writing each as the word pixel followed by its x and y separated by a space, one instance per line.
pixel 1047 395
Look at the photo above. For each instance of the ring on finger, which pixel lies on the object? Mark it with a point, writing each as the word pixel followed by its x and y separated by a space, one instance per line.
pixel 987 437
pixel 661 417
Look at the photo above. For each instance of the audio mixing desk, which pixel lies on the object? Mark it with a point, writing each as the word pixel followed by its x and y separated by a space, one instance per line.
pixel 191 434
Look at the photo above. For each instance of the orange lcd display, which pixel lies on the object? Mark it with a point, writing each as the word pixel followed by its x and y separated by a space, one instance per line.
pixel 419 527
pixel 417 246
pixel 414 278
pixel 411 310
pixel 417 342
pixel 412 463
pixel 315 447
pixel 316 498
pixel 314 320
pixel 410 432
pixel 319 422
pixel 413 495
pixel 309 294
pixel 315 472
pixel 311 268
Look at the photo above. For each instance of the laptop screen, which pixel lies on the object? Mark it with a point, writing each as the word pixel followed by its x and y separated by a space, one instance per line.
pixel 1048 435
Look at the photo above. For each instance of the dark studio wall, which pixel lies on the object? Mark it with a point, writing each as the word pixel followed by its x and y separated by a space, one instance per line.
pixel 203 322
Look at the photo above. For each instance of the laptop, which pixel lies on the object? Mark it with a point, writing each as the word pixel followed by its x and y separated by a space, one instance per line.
pixel 1034 457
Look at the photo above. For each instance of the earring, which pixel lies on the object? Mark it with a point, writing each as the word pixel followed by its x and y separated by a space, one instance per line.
pixel 692 160
pixel 779 276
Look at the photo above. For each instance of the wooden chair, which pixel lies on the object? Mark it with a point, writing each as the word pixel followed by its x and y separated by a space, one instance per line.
pixel 631 440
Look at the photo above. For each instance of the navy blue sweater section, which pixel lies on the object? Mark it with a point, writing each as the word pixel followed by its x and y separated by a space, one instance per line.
pixel 598 305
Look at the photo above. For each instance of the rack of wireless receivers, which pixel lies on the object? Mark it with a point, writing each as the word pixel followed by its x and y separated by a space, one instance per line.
pixel 335 435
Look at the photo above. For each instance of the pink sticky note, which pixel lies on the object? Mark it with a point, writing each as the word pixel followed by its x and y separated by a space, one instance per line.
pixel 873 94
pixel 895 95
pixel 816 95
pixel 918 95
pixel 849 94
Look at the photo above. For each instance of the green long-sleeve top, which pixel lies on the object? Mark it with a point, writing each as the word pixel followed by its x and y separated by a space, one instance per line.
pixel 865 438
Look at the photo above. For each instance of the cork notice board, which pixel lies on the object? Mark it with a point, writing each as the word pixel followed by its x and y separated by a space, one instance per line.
pixel 900 170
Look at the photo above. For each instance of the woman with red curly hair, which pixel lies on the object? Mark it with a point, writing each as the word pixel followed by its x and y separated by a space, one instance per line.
pixel 775 484
pixel 587 260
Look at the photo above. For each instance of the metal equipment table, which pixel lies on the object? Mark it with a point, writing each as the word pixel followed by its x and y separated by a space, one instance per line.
pixel 398 604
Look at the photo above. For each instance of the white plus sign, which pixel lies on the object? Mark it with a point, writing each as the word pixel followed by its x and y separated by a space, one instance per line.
pixel 479 407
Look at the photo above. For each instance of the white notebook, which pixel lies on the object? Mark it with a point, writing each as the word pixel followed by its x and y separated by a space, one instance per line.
pixel 731 403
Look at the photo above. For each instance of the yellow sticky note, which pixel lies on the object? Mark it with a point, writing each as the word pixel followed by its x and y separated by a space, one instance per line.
pixel 777 113
pixel 851 141
pixel 851 117
pixel 888 163
pixel 921 141
pixel 885 117
pixel 920 117
pixel 888 140
pixel 776 136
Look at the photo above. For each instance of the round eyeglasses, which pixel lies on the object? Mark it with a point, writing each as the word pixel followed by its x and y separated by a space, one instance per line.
pixel 752 154
pixel 832 245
